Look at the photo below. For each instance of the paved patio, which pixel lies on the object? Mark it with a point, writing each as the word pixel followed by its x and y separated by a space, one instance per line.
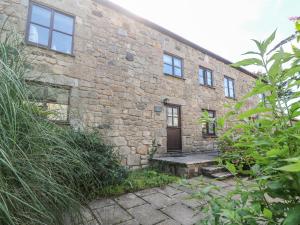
pixel 171 205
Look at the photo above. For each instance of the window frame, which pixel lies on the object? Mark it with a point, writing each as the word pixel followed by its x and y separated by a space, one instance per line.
pixel 205 77
pixel 173 65
pixel 228 79
pixel 207 134
pixel 50 28
pixel 45 93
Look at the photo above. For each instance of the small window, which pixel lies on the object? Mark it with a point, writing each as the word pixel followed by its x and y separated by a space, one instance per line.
pixel 229 87
pixel 205 77
pixel 209 128
pixel 172 65
pixel 50 29
pixel 52 98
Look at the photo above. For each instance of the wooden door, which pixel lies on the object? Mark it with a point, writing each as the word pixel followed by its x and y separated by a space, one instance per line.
pixel 174 128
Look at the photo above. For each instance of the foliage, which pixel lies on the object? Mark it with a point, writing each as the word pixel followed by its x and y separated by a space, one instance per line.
pixel 41 173
pixel 100 157
pixel 265 141
pixel 138 180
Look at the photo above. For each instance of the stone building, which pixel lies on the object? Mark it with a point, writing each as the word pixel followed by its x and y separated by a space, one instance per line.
pixel 98 65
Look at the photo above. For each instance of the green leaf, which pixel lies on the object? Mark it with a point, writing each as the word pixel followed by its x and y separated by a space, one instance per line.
pixel 247 62
pixel 296 159
pixel 251 53
pixel 297 26
pixel 253 111
pixel 231 167
pixel 268 41
pixel 293 216
pixel 295 167
pixel 259 46
pixel 267 213
pixel 296 51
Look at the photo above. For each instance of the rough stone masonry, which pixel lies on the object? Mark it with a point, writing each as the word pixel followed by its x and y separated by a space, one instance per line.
pixel 116 80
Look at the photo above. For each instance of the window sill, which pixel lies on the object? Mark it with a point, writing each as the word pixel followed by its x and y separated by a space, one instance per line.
pixel 207 86
pixel 231 98
pixel 170 75
pixel 209 136
pixel 49 49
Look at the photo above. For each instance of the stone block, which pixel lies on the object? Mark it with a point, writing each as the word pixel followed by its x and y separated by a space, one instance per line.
pixel 147 215
pixel 129 201
pixel 183 214
pixel 133 160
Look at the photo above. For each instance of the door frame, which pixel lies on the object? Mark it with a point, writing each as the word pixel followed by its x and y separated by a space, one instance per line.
pixel 167 105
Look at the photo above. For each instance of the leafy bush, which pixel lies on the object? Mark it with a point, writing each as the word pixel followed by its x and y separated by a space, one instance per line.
pixel 104 161
pixel 268 144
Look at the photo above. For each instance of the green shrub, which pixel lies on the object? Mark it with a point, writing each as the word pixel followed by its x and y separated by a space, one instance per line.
pixel 138 180
pixel 102 158
pixel 269 144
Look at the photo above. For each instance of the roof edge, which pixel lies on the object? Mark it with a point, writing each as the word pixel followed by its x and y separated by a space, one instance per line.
pixel 170 34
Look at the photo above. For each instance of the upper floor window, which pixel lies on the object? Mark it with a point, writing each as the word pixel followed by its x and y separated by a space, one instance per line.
pixel 55 99
pixel 172 65
pixel 50 29
pixel 229 87
pixel 209 128
pixel 205 77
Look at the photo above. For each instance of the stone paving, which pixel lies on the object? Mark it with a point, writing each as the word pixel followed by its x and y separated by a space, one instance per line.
pixel 170 205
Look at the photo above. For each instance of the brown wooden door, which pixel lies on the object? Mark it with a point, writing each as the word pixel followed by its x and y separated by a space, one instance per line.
pixel 173 128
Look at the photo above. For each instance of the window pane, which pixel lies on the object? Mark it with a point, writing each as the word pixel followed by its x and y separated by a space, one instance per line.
pixel 177 71
pixel 59 112
pixel 58 95
pixel 175 111
pixel 211 128
pixel 175 120
pixel 226 92
pixel 36 92
pixel 170 112
pixel 231 93
pixel 177 62
pixel 170 122
pixel 38 35
pixel 168 69
pixel 40 16
pixel 225 83
pixel 209 77
pixel 167 59
pixel 230 83
pixel 61 42
pixel 201 76
pixel 63 23
pixel 211 114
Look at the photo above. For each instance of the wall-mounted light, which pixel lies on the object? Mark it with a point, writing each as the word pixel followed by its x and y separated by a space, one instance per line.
pixel 166 101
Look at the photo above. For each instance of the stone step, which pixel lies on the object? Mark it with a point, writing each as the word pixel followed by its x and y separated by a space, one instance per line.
pixel 208 170
pixel 221 175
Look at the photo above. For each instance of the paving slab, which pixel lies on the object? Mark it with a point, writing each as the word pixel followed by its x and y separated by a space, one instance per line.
pixel 159 200
pixel 146 192
pixel 183 214
pixel 129 200
pixel 113 214
pixel 147 215
pixel 169 191
pixel 100 203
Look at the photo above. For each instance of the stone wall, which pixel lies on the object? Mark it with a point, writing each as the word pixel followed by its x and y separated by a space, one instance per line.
pixel 116 76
